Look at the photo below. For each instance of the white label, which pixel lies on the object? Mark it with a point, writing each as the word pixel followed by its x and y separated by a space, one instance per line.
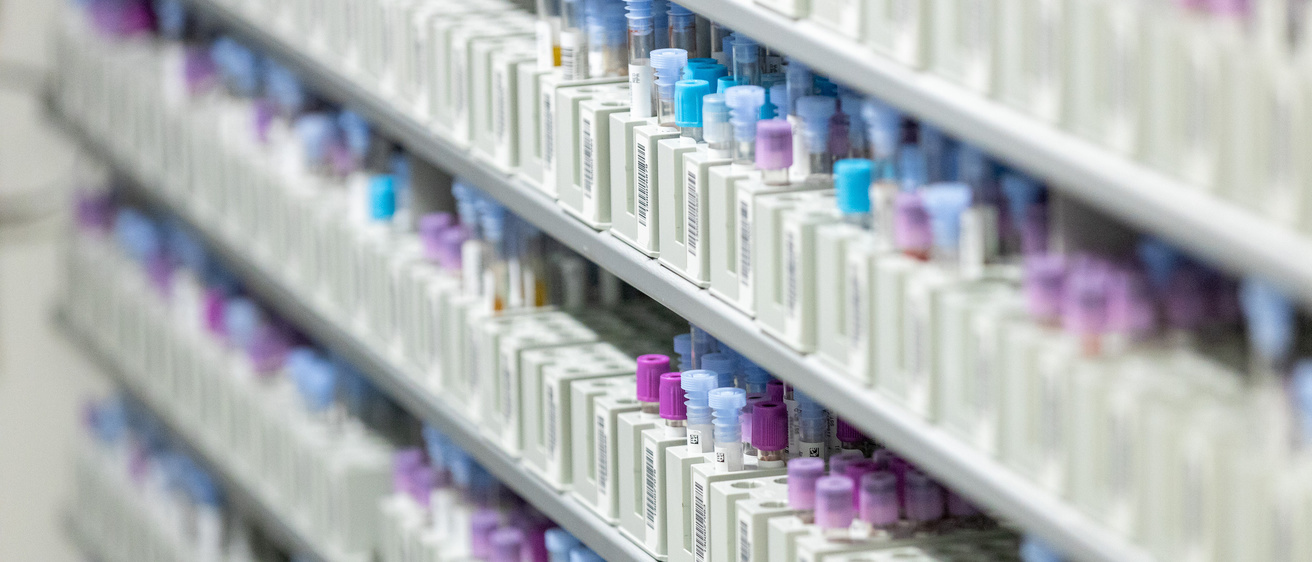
pixel 640 88
pixel 589 164
pixel 794 427
pixel 499 107
pixel 855 301
pixel 643 183
pixel 791 270
pixel 744 540
pixel 916 320
pixel 548 134
pixel 551 420
pixel 692 207
pixel 649 487
pixel 695 438
pixel 571 66
pixel 745 244
pixel 700 532
pixel 602 462
pixel 810 450
pixel 507 387
pixel 546 44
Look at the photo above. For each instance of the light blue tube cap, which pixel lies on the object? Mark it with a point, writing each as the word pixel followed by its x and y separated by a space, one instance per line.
pixel 852 178
pixel 583 554
pixel 1021 192
pixel 945 202
pixel 1270 316
pixel 560 541
pixel 688 96
pixel 382 197
pixel 912 167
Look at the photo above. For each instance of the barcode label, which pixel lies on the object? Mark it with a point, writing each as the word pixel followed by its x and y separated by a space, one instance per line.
pixel 744 242
pixel 699 522
pixel 570 65
pixel 744 541
pixel 644 187
pixel 811 450
pixel 551 420
pixel 856 315
pixel 692 207
pixel 649 481
pixel 588 164
pixel 506 386
pixel 790 271
pixel 499 106
pixel 548 130
pixel 603 457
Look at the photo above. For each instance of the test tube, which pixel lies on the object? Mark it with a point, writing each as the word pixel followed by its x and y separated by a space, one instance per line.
pixel 660 20
pixel 573 40
pixel 924 498
pixel 852 186
pixel 815 112
pixel 803 474
pixel 674 406
pixel 683 348
pixel 877 499
pixel 720 37
pixel 746 60
pixel 716 128
pixel 945 203
pixel 668 65
pixel 683 28
pixel 745 109
pixel 800 83
pixel 774 150
pixel 608 55
pixel 697 386
pixel 770 433
pixel 722 364
pixel 547 30
pixel 1084 306
pixel 833 506
pixel 642 41
pixel 726 407
pixel 650 369
pixel 703 343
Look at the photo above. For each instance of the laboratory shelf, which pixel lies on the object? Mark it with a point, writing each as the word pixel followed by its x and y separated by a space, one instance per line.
pixel 242 498
pixel 1229 235
pixel 977 476
pixel 385 374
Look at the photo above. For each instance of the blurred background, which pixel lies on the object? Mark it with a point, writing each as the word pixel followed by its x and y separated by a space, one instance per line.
pixel 43 381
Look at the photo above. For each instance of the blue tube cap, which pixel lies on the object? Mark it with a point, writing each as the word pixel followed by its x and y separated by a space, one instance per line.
pixel 945 202
pixel 559 541
pixel 1271 318
pixel 1160 260
pixel 852 177
pixel 711 73
pixel 382 197
pixel 688 96
pixel 912 168
pixel 720 363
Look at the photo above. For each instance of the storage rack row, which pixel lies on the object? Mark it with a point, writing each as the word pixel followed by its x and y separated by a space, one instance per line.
pixel 1232 237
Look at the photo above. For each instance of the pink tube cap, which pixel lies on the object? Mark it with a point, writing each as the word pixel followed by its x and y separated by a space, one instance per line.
pixel 770 426
pixel 774 144
pixel 833 502
pixel 674 405
pixel 877 499
pixel 802 476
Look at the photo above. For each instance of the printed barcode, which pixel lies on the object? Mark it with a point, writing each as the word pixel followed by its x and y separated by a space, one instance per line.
pixel 649 468
pixel 506 387
pixel 567 56
pixel 744 242
pixel 498 107
pixel 548 130
pixel 790 271
pixel 587 158
pixel 692 206
pixel 700 531
pixel 603 458
pixel 644 190
pixel 744 542
pixel 551 420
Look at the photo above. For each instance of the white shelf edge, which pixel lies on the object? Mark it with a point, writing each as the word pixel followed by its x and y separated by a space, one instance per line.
pixel 246 501
pixel 979 477
pixel 1227 234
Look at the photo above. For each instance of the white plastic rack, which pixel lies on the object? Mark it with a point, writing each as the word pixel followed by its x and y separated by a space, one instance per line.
pixel 1224 232
pixel 243 500
pixel 979 477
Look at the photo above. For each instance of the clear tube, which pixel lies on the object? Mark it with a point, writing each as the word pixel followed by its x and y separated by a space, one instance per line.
pixel 694 133
pixel 746 61
pixel 683 29
pixel 719 35
pixel 573 41
pixel 548 32
pixel 608 52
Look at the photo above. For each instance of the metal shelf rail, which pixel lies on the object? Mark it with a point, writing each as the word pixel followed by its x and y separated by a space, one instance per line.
pixel 979 477
pixel 243 499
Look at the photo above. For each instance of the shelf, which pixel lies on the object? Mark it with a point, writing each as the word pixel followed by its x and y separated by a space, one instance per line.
pixel 976 476
pixel 1227 234
pixel 419 401
pixel 244 500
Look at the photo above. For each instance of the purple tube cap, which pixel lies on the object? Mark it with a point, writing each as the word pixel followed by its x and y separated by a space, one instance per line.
pixel 1130 305
pixel 507 545
pixel 481 525
pixel 1084 302
pixel 770 426
pixel 774 144
pixel 911 226
pixel 774 390
pixel 1045 281
pixel 833 502
pixel 1186 298
pixel 650 369
pixel 674 405
pixel 803 473
pixel 924 497
pixel 877 498
pixel 847 433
